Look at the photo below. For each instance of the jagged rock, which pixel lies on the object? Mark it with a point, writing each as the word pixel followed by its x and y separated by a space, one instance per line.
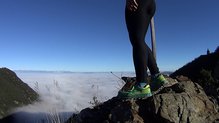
pixel 184 102
pixel 13 92
pixel 182 78
pixel 187 103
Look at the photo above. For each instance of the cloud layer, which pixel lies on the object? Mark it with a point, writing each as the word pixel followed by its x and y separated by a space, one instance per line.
pixel 69 92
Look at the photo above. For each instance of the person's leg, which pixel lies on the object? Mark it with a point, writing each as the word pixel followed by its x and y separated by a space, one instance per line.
pixel 152 64
pixel 137 25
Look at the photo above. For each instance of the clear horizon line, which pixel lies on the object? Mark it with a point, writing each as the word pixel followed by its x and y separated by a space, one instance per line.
pixel 68 71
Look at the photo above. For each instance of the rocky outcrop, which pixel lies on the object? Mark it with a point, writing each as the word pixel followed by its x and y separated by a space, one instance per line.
pixel 205 71
pixel 13 92
pixel 183 102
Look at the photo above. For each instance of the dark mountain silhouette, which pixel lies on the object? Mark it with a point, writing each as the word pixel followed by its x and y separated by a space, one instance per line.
pixel 192 70
pixel 205 71
pixel 13 92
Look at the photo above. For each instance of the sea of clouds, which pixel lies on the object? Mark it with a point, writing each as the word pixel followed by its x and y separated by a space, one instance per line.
pixel 69 91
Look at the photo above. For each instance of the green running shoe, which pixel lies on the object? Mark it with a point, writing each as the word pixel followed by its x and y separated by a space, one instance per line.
pixel 157 82
pixel 136 92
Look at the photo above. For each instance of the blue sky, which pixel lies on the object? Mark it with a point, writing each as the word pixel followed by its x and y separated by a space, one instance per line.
pixel 91 35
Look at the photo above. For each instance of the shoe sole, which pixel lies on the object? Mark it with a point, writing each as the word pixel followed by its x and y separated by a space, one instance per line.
pixel 134 98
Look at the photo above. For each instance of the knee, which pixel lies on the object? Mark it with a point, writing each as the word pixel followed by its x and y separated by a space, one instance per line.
pixel 137 41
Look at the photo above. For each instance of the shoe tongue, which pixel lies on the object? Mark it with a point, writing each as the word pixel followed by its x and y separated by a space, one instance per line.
pixel 156 75
pixel 142 85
